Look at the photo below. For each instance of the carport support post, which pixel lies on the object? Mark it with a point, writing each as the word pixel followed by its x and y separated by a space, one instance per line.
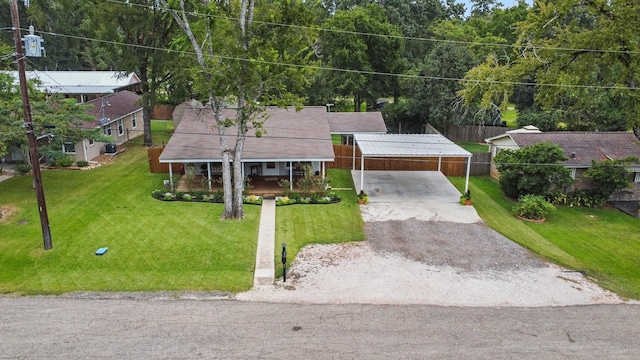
pixel 353 167
pixel 466 183
pixel 361 172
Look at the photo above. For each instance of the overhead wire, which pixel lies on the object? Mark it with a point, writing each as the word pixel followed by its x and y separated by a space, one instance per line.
pixel 339 31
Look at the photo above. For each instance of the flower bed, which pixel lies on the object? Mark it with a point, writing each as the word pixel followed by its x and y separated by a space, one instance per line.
pixel 217 197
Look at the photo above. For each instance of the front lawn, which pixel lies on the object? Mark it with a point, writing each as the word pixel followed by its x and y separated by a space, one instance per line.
pixel 604 243
pixel 153 245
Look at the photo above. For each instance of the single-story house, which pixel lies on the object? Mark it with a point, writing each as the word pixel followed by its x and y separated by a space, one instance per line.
pixel 346 124
pixel 291 140
pixel 117 115
pixel 82 85
pixel 580 148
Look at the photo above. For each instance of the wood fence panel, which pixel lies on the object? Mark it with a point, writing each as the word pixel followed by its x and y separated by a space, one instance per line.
pixel 155 166
pixel 473 133
pixel 454 166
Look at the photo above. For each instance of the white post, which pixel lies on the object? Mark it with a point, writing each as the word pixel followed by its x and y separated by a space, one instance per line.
pixel 466 183
pixel 209 174
pixel 171 174
pixel 290 175
pixel 440 163
pixel 353 167
pixel 361 172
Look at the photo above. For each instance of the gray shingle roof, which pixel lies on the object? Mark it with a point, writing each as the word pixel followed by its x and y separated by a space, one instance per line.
pixel 290 136
pixel 116 106
pixel 356 122
pixel 585 146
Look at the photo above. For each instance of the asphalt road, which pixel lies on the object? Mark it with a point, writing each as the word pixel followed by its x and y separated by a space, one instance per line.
pixel 153 328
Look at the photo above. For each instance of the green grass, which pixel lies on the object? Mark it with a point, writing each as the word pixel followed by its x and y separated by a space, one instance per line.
pixel 336 139
pixel 473 147
pixel 153 245
pixel 300 225
pixel 510 116
pixel 603 243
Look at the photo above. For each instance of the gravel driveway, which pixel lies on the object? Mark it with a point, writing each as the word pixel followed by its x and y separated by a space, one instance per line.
pixel 417 253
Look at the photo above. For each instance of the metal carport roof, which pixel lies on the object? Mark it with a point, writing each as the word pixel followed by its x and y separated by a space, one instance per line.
pixel 408 145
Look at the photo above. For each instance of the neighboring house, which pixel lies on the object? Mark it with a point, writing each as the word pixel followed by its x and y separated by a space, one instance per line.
pixel 580 148
pixel 82 85
pixel 117 115
pixel 291 140
pixel 346 124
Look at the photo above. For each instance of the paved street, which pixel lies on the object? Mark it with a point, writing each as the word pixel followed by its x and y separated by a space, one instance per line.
pixel 147 327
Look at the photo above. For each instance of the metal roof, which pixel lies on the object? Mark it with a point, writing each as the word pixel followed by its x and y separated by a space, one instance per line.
pixel 79 82
pixel 408 145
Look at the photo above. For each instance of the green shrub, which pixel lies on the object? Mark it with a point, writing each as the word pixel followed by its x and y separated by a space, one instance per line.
pixel 179 195
pixel 82 163
pixel 295 196
pixel 198 195
pixel 217 196
pixel 23 169
pixel 186 197
pixel 285 186
pixel 533 207
pixel 168 196
pixel 157 194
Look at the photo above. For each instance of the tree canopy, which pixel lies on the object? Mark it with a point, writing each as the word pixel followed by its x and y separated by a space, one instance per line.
pixel 581 58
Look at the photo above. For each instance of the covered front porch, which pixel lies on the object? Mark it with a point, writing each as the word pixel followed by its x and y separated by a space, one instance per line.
pixel 266 186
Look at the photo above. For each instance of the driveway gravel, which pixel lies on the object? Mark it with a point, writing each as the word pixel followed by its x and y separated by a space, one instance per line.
pixel 417 253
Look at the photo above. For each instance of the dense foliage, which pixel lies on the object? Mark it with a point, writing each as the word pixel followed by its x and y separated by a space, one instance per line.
pixel 535 169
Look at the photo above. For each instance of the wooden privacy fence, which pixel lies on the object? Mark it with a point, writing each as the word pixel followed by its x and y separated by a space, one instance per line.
pixel 473 133
pixel 450 166
pixel 155 166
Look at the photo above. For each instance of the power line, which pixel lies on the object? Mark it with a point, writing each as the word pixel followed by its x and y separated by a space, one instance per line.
pixel 333 69
pixel 471 43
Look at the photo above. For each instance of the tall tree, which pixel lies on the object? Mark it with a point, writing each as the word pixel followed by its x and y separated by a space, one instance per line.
pixel 575 53
pixel 245 63
pixel 147 31
pixel 66 50
pixel 363 41
pixel 433 98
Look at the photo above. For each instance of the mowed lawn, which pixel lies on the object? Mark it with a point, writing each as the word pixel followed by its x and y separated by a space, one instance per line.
pixel 603 243
pixel 153 245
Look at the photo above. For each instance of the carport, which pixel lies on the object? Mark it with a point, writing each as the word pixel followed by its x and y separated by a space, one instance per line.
pixel 407 146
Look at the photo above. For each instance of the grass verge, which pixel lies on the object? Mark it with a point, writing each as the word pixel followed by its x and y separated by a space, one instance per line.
pixel 604 243
pixel 300 225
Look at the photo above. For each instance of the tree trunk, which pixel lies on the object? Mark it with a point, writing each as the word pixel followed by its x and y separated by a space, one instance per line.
pixel 146 106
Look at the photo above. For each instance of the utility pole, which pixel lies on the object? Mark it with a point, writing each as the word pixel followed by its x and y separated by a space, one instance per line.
pixel 26 107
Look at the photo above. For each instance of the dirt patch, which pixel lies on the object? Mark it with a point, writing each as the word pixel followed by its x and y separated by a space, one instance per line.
pixel 6 211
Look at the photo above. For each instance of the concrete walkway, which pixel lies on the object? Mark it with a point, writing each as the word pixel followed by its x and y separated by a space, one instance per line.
pixel 265 263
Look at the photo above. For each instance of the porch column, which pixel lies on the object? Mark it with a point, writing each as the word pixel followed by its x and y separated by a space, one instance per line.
pixel 323 166
pixel 171 174
pixel 466 182
pixel 209 174
pixel 290 175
